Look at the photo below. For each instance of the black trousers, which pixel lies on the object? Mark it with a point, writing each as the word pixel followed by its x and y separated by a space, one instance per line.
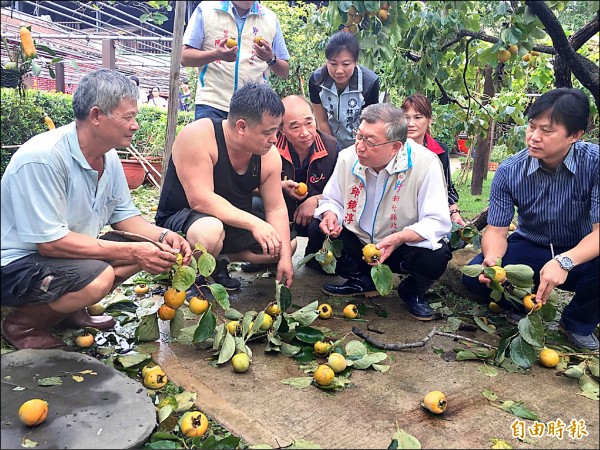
pixel 422 266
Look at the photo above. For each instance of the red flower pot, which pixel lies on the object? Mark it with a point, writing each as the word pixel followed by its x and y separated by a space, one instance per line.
pixel 134 173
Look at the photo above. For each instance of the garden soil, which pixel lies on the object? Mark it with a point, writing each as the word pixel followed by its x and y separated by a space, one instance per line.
pixel 257 406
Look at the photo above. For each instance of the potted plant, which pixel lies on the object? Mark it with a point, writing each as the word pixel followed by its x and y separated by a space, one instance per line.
pixel 499 153
pixel 24 60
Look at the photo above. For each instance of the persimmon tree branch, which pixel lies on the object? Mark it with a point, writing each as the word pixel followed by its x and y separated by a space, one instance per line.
pixel 492 39
pixel 583 69
pixel 398 346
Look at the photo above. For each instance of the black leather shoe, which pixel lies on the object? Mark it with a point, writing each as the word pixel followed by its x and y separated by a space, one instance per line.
pixel 222 277
pixel 193 290
pixel 249 267
pixel 418 307
pixel 350 288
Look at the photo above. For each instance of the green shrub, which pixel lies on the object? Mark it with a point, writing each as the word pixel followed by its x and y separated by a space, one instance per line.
pixel 149 140
pixel 499 153
pixel 23 117
pixel 304 29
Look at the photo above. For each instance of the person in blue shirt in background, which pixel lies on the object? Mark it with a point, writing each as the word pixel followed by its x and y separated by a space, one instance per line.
pixel 184 96
pixel 554 185
pixel 232 43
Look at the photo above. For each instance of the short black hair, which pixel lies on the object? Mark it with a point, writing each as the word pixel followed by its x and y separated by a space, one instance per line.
pixel 135 80
pixel 253 100
pixel 341 41
pixel 567 106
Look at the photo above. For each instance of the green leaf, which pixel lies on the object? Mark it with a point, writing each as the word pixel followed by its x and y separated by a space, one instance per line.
pixel 306 315
pixel 226 443
pixel 381 367
pixel 233 314
pixel 164 413
pixel 283 296
pixel 522 353
pixel 366 361
pixel 405 440
pixel 288 349
pixel 206 327
pixel 46 49
pixel 490 395
pixel 587 383
pixel 520 410
pixel 227 350
pixel 304 355
pixel 36 69
pixel 176 324
pixel 220 294
pixel 484 326
pixel 298 382
pixel 499 443
pixel 519 275
pixel 531 330
pixel 382 277
pixel 309 335
pixel 472 270
pixel 548 311
pixel 464 355
pixel 488 370
pixel 28 443
pixel 355 349
pixel 147 330
pixel 501 350
pixel 336 247
pixel 592 394
pixel 50 381
pixel 183 278
pixel 206 264
pixel 133 360
pixel 304 260
pixel 185 400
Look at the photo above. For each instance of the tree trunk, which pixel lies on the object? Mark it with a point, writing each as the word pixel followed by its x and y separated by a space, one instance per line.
pixel 562 73
pixel 482 152
pixel 480 220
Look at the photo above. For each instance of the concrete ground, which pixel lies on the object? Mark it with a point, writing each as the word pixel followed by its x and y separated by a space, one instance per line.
pixel 257 406
pixel 93 406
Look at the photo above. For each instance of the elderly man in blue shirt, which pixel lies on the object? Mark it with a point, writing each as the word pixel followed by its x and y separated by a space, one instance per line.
pixel 554 185
pixel 58 191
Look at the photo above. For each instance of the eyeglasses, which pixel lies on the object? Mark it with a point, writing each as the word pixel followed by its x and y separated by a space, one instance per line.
pixel 359 137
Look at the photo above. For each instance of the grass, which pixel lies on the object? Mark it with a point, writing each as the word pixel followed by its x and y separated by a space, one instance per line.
pixel 471 205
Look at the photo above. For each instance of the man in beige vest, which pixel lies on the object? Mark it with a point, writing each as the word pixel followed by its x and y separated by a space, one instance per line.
pixel 391 192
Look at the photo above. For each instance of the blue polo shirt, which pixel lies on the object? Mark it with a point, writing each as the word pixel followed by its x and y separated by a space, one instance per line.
pixel 49 189
pixel 554 207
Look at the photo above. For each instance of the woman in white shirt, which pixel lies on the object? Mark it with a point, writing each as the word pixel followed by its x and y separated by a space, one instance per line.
pixel 156 100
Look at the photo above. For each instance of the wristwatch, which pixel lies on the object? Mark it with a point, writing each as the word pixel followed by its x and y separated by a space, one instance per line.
pixel 565 262
pixel 272 62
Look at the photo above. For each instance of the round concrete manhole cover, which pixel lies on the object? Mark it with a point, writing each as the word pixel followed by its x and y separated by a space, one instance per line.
pixel 91 406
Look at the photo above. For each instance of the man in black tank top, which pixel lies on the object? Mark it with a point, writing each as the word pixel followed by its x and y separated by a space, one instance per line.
pixel 207 191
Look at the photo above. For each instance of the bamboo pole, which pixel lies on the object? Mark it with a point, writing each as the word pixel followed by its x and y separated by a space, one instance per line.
pixel 173 105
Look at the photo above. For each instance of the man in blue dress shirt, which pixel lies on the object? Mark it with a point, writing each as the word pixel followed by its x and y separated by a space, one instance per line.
pixel 554 185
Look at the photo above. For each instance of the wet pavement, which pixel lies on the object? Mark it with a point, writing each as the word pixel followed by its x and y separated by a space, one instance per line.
pixel 93 406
